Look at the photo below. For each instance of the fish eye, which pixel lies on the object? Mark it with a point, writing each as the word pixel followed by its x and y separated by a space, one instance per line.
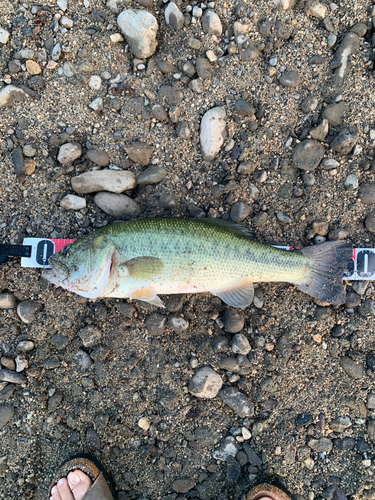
pixel 65 251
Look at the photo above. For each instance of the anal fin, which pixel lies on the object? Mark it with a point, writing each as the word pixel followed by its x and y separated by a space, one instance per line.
pixel 147 295
pixel 240 296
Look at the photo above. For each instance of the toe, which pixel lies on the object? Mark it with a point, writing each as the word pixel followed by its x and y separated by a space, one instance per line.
pixel 79 483
pixel 55 495
pixel 64 489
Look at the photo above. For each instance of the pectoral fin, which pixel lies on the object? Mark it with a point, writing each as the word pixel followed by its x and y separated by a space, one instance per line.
pixel 147 295
pixel 240 296
pixel 143 267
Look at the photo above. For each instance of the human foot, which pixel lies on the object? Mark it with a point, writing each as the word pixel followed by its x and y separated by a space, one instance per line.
pixel 267 490
pixel 73 487
pixel 80 478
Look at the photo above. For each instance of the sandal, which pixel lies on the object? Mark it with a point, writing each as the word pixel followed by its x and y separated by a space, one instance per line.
pixel 268 488
pixel 101 488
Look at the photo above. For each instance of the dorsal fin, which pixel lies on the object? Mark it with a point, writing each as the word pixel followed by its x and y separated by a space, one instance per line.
pixel 230 226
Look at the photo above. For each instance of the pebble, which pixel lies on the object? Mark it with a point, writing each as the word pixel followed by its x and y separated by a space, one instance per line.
pixel 183 130
pixel 329 163
pixel 243 108
pixel 159 113
pixel 204 68
pixel 116 38
pixel 197 12
pixel 367 308
pixel 114 181
pixel 331 40
pixel 322 445
pixel 351 368
pixel 239 211
pixel 117 205
pixel 144 423
pixel 21 364
pixel 194 43
pixel 335 113
pixel 290 79
pixel 360 287
pixel 82 360
pixel 62 4
pixel 246 49
pixel 320 132
pixel 140 153
pixel 341 60
pixel 66 22
pixel 284 4
pixel 246 168
pixel 213 132
pixel 25 346
pixel 174 17
pixel 371 430
pixel 56 52
pixel 206 383
pixel 54 402
pixel 367 193
pixel 6 415
pixel 371 401
pixel 69 152
pixel 27 310
pixel 59 341
pixel 7 301
pixel 352 300
pixel 95 82
pixel 239 403
pixel 4 36
pixel 170 95
pixel 183 485
pixel 73 202
pixel 240 344
pixel 234 320
pixel 196 85
pixel 316 9
pixel 152 175
pixel 344 142
pixel 308 154
pixel 33 67
pixel 228 448
pixel 98 157
pixel 97 105
pixel 90 335
pixel 140 29
pixel 10 95
pixel 92 440
pixel 155 324
pixel 211 23
pixel 351 182
pixel 12 377
pixel 339 424
pixel 177 323
pixel 309 104
pixel 369 224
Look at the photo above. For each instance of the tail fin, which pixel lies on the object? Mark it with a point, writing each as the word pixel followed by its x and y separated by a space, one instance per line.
pixel 326 264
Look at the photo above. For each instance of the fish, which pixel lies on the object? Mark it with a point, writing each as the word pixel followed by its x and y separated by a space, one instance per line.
pixel 144 258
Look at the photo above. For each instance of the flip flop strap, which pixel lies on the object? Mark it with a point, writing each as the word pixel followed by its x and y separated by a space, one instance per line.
pixel 99 490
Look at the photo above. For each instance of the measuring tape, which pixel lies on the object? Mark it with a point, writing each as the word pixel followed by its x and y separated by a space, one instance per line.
pixel 35 252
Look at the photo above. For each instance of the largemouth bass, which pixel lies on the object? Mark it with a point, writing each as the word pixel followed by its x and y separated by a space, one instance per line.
pixel 143 258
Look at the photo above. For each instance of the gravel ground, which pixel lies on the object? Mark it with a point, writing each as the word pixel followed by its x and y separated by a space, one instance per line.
pixel 118 378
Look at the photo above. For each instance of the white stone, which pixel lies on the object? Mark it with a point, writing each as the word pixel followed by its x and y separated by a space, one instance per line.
pixel 117 205
pixel 11 94
pixel 246 434
pixel 174 17
pixel 69 152
pixel 240 28
pixel 197 12
pixel 73 202
pixel 284 4
pixel 206 383
pixel 115 181
pixel 316 9
pixel 211 23
pixel 7 301
pixel 139 28
pixel 228 448
pixel 212 133
pixel 66 22
pixel 62 4
pixel 211 56
pixel 95 82
pixel 116 38
pixel 144 423
pixel 4 36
